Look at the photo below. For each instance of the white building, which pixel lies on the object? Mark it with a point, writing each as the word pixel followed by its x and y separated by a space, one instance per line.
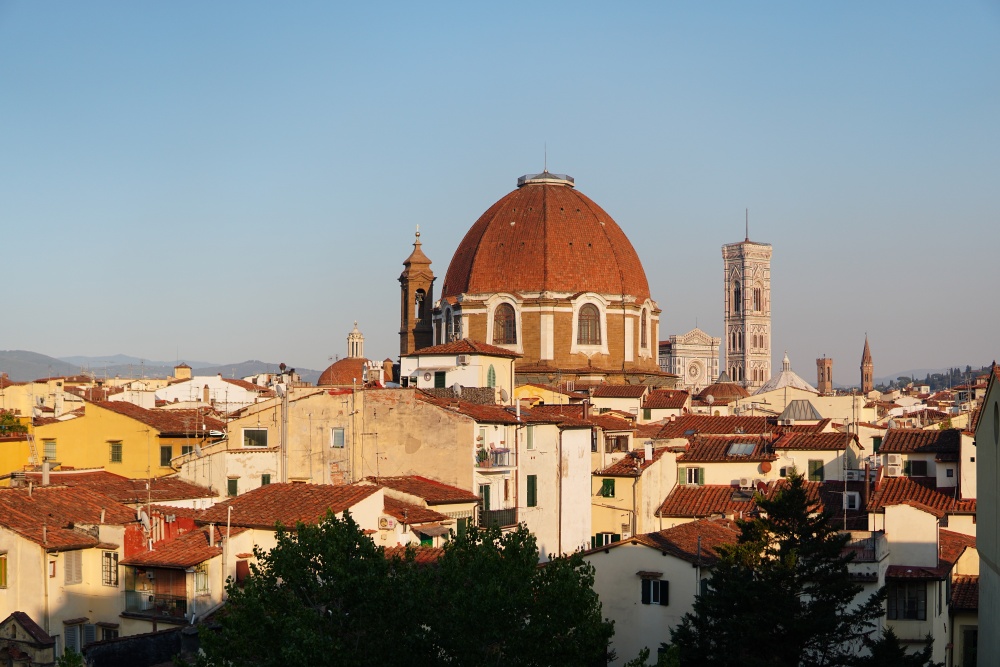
pixel 693 357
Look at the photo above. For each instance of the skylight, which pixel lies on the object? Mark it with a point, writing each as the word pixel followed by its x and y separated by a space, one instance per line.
pixel 740 449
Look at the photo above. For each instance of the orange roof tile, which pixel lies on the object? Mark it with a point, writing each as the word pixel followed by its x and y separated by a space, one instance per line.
pixel 167 422
pixel 465 346
pixel 666 399
pixel 421 555
pixel 47 515
pixel 705 424
pixel 410 513
pixel 620 391
pixel 814 441
pixel 432 491
pixel 184 551
pixel 124 490
pixel 683 541
pixel 486 414
pixel 908 440
pixel 288 504
pixel 632 464
pixel 898 490
pixel 716 448
pixel 688 500
pixel 965 593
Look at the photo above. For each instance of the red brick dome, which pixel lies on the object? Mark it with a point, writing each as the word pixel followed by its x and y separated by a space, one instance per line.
pixel 545 235
pixel 347 371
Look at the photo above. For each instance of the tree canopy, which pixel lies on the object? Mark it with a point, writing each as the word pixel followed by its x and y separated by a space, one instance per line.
pixel 327 595
pixel 781 596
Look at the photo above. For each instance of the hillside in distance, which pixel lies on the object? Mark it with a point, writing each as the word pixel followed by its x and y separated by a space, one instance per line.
pixel 22 366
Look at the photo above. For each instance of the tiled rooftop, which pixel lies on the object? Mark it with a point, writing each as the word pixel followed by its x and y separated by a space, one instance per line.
pixel 288 504
pixel 705 424
pixel 484 414
pixel 124 490
pixel 716 448
pixel 432 491
pixel 421 555
pixel 184 551
pixel 952 544
pixel 465 346
pixel 666 399
pixel 167 422
pixel 632 464
pixel 620 391
pixel 910 441
pixel 813 442
pixel 410 513
pixel 689 500
pixel 897 490
pixel 45 515
pixel 683 541
pixel 965 593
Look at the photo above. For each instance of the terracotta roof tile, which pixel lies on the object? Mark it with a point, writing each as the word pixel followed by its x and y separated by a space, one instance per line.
pixel 32 628
pixel 907 440
pixel 465 346
pixel 264 392
pixel 186 550
pixel 705 424
pixel 965 593
pixel 666 399
pixel 47 515
pixel 915 572
pixel 683 541
pixel 344 372
pixel 288 504
pixel 813 441
pixel 167 422
pixel 818 427
pixel 632 464
pixel 688 500
pixel 432 491
pixel 124 490
pixel 421 555
pixel 620 391
pixel 951 545
pixel 899 490
pixel 488 414
pixel 410 513
pixel 716 448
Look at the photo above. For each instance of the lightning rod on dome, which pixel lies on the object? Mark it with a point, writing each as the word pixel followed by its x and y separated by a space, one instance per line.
pixel 747 223
pixel 545 156
pixel 418 232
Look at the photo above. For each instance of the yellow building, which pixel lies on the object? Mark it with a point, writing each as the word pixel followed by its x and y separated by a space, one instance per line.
pixel 123 438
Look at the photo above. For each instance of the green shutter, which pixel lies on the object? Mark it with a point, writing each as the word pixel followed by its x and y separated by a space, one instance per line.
pixel 647 587
pixel 616 537
pixel 664 592
pixel 593 541
pixel 463 526
pixel 232 487
pixel 484 493
pixel 608 488
pixel 647 414
pixel 701 476
pixel 906 468
pixel 815 470
pixel 532 490
pixel 681 475
pixel 491 377
pixel 530 436
pixel 265 479
pixel 439 379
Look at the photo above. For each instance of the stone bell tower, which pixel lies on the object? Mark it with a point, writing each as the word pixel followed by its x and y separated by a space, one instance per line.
pixel 416 329
pixel 747 281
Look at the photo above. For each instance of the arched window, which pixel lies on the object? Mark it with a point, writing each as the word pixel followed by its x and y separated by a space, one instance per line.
pixel 456 333
pixel 757 301
pixel 491 377
pixel 737 297
pixel 449 327
pixel 418 306
pixel 504 325
pixel 643 336
pixel 589 325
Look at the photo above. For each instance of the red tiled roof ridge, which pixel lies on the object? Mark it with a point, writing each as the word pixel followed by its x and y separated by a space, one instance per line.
pixel 466 346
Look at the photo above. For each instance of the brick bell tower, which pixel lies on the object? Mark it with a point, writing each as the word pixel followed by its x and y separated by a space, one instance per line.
pixel 867 369
pixel 824 375
pixel 416 329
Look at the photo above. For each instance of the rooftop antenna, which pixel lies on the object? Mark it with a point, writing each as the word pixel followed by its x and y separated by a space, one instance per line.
pixel 545 158
pixel 747 223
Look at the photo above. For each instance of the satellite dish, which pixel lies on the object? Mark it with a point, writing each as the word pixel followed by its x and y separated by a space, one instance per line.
pixel 504 396
pixel 710 399
pixel 144 518
pixel 197 451
pixel 457 390
pixel 279 390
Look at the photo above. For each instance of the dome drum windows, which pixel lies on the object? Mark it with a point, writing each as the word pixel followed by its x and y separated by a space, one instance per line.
pixel 588 330
pixel 504 325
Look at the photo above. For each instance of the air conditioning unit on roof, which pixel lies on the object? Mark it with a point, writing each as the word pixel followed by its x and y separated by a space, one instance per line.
pixel 464 360
pixel 894 471
pixel 744 483
pixel 895 460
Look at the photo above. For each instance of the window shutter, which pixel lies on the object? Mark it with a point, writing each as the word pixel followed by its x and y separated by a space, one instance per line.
pixel 530 433
pixel 532 490
pixel 647 413
pixel 701 476
pixel 89 634
pixel 664 592
pixel 616 537
pixel 681 475
pixel 906 468
pixel 647 586
pixel 593 541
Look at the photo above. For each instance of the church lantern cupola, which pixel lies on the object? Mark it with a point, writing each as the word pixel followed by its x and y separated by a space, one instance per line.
pixel 416 329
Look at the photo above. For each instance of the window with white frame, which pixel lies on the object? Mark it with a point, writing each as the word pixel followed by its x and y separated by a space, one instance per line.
pixel 504 325
pixel 588 325
pixel 337 438
pixel 655 591
pixel 201 579
pixel 109 568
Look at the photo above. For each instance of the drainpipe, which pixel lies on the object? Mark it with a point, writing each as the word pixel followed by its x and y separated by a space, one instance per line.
pixel 635 520
pixel 559 473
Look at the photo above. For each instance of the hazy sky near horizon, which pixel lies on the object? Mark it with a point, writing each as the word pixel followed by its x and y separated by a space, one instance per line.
pixel 240 180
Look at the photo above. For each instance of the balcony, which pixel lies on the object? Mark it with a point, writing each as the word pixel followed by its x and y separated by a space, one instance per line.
pixel 498 518
pixel 159 605
pixel 494 458
pixel 867 548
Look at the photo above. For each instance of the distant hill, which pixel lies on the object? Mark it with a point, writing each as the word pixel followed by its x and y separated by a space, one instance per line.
pixel 22 366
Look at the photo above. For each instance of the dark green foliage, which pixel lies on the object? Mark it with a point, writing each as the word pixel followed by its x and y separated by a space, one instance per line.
pixel 780 596
pixel 326 595
pixel 9 424
pixel 886 651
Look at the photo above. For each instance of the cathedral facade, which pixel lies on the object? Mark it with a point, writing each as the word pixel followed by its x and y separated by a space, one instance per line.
pixel 545 272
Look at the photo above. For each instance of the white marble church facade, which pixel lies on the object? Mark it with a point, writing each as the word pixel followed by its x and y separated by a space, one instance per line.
pixel 694 357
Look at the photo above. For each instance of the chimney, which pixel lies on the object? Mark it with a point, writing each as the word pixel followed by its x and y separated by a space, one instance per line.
pixel 586 409
pixel 205 395
pixel 211 534
pixel 46 465
pixel 102 514
pixel 648 451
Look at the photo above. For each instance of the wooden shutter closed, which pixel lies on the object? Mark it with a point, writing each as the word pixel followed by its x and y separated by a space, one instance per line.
pixel 647 588
pixel 532 490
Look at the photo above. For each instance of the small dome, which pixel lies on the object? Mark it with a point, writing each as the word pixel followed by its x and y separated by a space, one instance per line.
pixel 723 391
pixel 347 371
pixel 545 236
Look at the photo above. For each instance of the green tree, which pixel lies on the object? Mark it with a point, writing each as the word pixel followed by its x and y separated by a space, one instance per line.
pixel 10 425
pixel 886 651
pixel 780 596
pixel 327 595
pixel 70 658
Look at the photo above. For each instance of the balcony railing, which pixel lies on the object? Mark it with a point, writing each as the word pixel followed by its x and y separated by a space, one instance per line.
pixel 868 549
pixel 488 458
pixel 155 604
pixel 498 518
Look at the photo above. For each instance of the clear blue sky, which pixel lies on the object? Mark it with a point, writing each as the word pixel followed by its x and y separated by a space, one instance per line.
pixel 226 181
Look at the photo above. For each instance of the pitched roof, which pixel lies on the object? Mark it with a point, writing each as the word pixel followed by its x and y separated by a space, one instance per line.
pixel 186 550
pixel 288 504
pixel 124 490
pixel 683 541
pixel 899 490
pixel 47 515
pixel 421 555
pixel 167 422
pixel 800 409
pixel 465 346
pixel 818 427
pixel 965 592
pixel 814 441
pixel 951 545
pixel 410 513
pixel 28 625
pixel 689 500
pixel 910 441
pixel 666 399
pixel 487 414
pixel 717 448
pixel 250 386
pixel 706 424
pixel 432 491
pixel 632 464
pixel 620 391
